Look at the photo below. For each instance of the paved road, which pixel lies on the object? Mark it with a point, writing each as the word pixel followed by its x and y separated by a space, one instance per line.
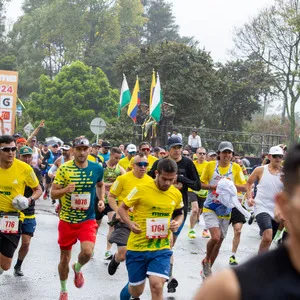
pixel 41 281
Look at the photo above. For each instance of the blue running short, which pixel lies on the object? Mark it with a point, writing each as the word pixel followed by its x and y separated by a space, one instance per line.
pixel 141 264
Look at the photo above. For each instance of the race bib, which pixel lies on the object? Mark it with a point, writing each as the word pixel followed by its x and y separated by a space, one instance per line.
pixel 9 224
pixel 80 201
pixel 157 228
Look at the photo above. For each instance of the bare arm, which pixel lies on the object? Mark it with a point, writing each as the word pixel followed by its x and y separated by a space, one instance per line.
pixel 241 187
pixel 221 286
pixel 256 175
pixel 123 212
pixel 2 126
pixel 37 192
pixel 36 131
pixel 112 201
pixel 100 192
pixel 58 191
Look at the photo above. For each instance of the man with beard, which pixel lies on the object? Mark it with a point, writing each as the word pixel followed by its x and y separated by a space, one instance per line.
pixel 187 177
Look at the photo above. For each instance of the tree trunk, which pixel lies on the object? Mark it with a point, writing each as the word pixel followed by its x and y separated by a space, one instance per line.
pixel 292 123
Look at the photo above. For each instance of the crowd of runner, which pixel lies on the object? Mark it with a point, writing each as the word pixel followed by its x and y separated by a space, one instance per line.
pixel 146 193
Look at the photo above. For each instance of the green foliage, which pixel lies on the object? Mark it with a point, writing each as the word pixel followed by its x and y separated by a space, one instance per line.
pixel 71 100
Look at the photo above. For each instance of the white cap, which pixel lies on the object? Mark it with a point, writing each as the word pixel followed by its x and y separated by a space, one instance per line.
pixel 131 148
pixel 276 150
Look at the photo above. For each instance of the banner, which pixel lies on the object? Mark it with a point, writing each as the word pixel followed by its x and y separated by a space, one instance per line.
pixel 8 99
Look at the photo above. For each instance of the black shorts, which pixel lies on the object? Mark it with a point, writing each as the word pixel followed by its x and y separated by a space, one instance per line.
pixel 237 217
pixel 48 179
pixel 120 234
pixel 265 221
pixel 9 244
pixel 194 197
pixel 100 215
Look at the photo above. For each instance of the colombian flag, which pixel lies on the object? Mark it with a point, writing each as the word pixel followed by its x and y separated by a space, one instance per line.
pixel 134 101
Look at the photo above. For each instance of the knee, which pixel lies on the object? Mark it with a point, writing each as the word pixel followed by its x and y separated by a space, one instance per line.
pixel 237 232
pixel 195 211
pixel 267 237
pixel 87 253
pixel 5 266
pixel 216 238
pixel 25 245
pixel 156 287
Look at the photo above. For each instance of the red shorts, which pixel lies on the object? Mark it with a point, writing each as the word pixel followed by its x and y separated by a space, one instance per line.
pixel 69 233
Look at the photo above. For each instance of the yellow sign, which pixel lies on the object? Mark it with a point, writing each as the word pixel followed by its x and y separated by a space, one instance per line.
pixel 8 99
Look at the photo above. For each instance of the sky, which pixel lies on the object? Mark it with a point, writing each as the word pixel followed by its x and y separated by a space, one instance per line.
pixel 211 22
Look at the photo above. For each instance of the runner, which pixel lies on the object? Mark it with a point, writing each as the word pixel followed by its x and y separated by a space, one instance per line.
pixel 104 151
pixel 187 177
pixel 275 274
pixel 47 161
pixel 130 153
pixel 29 224
pixel 111 171
pixel 216 215
pixel 14 176
pixel 119 190
pixel 74 185
pixel 197 198
pixel 269 184
pixel 94 155
pixel 148 255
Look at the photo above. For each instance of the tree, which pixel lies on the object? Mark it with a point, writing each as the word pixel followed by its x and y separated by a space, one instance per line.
pixel 161 24
pixel 238 93
pixel 274 37
pixel 71 100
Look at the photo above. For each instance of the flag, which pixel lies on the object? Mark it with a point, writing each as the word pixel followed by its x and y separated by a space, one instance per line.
pixel 152 88
pixel 134 102
pixel 124 95
pixel 155 109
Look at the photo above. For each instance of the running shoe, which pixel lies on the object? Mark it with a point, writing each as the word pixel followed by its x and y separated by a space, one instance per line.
pixel 206 269
pixel 53 201
pixel 113 266
pixel 251 219
pixel 205 234
pixel 18 271
pixel 78 278
pixel 108 255
pixel 232 261
pixel 192 234
pixel 63 296
pixel 45 196
pixel 172 285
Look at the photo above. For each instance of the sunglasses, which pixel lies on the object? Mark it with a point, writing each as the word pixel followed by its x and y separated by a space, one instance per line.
pixel 277 156
pixel 185 154
pixel 142 164
pixel 8 149
pixel 162 153
pixel 145 149
pixel 201 153
pixel 132 152
pixel 81 142
pixel 106 148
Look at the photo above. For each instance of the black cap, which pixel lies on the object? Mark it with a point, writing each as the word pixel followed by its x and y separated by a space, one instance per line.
pixel 105 144
pixel 174 141
pixel 95 145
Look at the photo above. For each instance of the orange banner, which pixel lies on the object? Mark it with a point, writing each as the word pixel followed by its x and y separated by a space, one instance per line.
pixel 8 99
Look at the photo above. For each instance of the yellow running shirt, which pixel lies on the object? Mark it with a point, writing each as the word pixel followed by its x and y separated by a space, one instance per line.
pixel 200 168
pixel 153 207
pixel 13 182
pixel 124 163
pixel 125 183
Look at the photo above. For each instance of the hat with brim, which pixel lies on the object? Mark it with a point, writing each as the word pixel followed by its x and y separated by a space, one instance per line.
pixel 223 146
pixel 174 141
pixel 25 150
pixel 276 150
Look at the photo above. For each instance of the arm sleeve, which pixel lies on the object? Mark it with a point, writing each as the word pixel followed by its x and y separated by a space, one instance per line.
pixel 116 187
pixel 31 179
pixel 189 141
pixel 133 197
pixel 192 181
pixel 152 171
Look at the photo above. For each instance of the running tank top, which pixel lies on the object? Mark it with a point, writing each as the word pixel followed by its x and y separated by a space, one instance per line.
pixel 109 176
pixel 35 157
pixel 269 276
pixel 268 186
pixel 212 201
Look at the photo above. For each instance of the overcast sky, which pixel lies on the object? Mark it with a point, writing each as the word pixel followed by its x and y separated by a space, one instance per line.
pixel 211 22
